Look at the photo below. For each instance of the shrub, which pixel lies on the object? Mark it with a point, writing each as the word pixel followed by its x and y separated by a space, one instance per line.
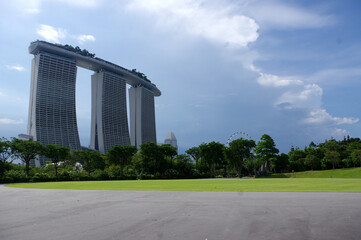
pixel 99 175
pixel 16 176
pixel 171 173
pixel 64 175
pixel 42 177
pixel 78 176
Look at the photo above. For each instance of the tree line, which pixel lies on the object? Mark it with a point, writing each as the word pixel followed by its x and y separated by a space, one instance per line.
pixel 242 157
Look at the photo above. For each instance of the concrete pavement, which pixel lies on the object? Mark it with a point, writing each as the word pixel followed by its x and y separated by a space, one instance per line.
pixel 86 214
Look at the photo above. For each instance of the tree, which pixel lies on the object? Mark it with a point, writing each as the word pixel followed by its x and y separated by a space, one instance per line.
pixel 150 156
pixel 297 158
pixel 5 150
pixel 183 165
pixel 121 155
pixel 212 155
pixel 156 159
pixel 57 154
pixel 356 156
pixel 26 151
pixel 354 149
pixel 252 164
pixel 5 154
pixel 332 157
pixel 280 163
pixel 266 149
pixel 168 150
pixel 313 157
pixel 89 159
pixel 237 152
pixel 194 152
pixel 312 161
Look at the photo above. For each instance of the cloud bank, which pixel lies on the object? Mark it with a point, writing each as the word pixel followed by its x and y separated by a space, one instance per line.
pixel 214 23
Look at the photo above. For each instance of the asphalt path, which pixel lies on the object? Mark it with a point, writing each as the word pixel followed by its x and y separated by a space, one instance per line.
pixel 95 215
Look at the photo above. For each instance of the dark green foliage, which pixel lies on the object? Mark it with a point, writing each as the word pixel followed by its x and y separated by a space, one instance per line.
pixel 212 156
pixel 312 161
pixel 194 152
pixel 57 154
pixel 253 164
pixel 16 176
pixel 280 163
pixel 5 150
pixel 121 156
pixel 332 157
pixel 140 75
pixel 90 160
pixel 356 157
pixel 183 165
pixel 155 158
pixel 77 49
pixel 237 152
pixel 162 162
pixel 266 150
pixel 26 151
pixel 297 158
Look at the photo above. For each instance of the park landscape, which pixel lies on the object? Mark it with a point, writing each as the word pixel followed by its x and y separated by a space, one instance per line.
pixel 243 165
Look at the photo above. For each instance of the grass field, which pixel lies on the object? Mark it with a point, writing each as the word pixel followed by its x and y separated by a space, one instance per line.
pixel 336 173
pixel 232 185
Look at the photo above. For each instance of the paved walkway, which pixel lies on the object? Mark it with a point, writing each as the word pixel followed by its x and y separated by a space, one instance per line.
pixel 95 215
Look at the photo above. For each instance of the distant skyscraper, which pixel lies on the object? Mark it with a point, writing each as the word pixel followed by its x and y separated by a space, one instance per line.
pixel 171 139
pixel 142 116
pixel 109 124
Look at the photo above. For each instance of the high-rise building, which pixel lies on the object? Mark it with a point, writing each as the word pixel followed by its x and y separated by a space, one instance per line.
pixel 171 139
pixel 52 111
pixel 142 115
pixel 109 123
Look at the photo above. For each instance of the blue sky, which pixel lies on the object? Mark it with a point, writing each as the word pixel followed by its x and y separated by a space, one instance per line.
pixel 290 69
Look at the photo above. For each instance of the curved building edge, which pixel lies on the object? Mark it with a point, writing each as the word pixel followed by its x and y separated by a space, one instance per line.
pixel 94 64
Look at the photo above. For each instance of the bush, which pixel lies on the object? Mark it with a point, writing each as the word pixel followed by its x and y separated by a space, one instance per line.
pixel 42 177
pixel 171 173
pixel 195 173
pixel 99 175
pixel 16 176
pixel 64 175
pixel 113 172
pixel 78 176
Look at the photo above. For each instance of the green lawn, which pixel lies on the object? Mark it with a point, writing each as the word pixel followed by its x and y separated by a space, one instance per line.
pixel 232 185
pixel 336 173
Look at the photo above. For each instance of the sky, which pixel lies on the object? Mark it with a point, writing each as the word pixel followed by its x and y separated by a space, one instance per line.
pixel 287 68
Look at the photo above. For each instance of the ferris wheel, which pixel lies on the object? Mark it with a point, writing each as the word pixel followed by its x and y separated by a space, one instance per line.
pixel 237 135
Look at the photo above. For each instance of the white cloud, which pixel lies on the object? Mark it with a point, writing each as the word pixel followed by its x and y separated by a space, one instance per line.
pixel 82 3
pixel 305 96
pixel 32 10
pixel 276 14
pixel 198 18
pixel 338 133
pixel 50 33
pixel 269 80
pixel 84 38
pixel 321 117
pixel 16 67
pixel 28 6
pixel 10 121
